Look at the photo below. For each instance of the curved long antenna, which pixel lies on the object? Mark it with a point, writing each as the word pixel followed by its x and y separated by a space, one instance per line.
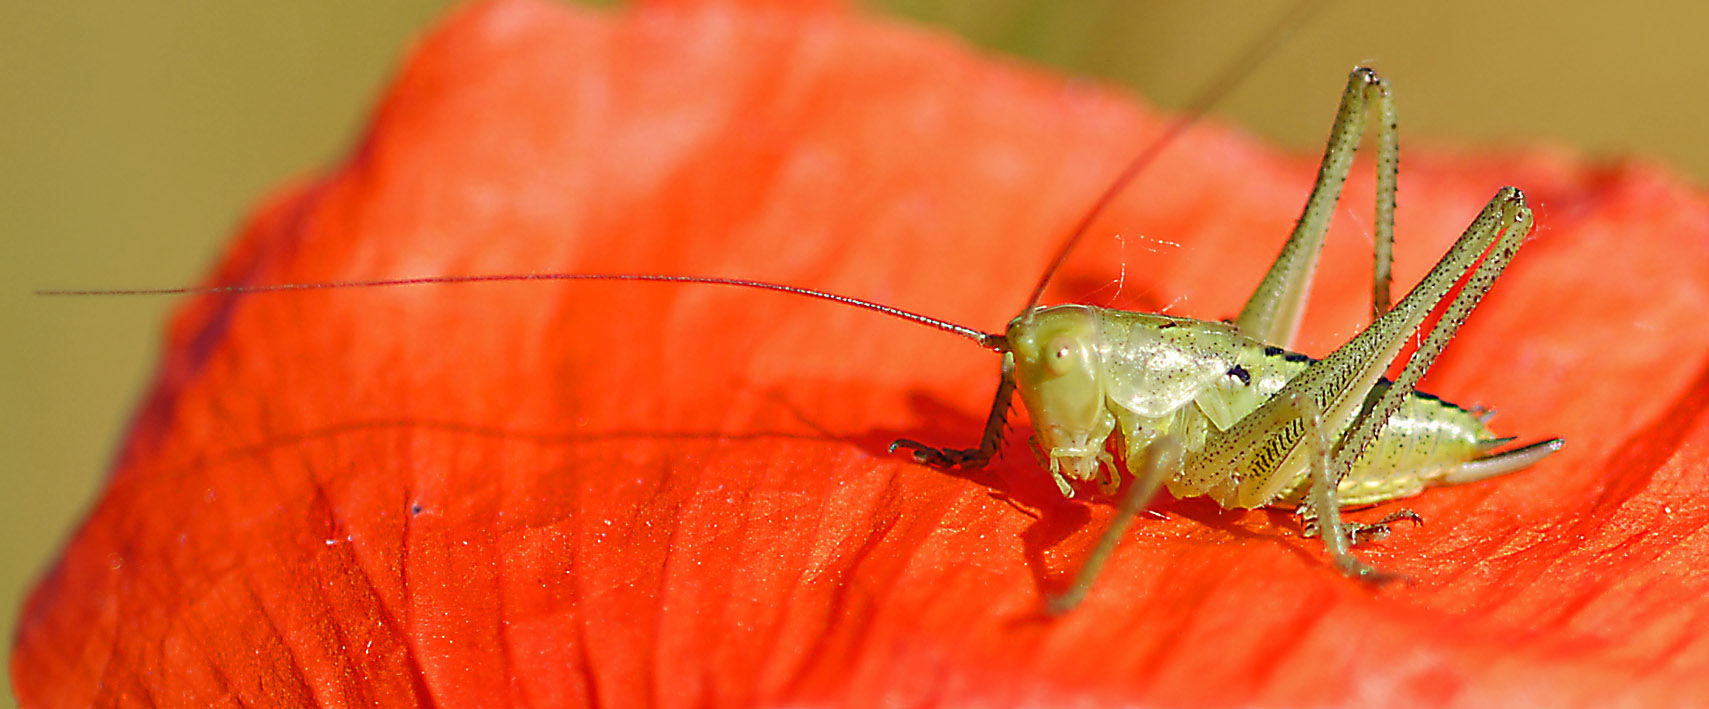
pixel 1214 92
pixel 986 340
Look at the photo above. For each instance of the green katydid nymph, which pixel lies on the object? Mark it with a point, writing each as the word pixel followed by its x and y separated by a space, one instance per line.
pixel 1225 410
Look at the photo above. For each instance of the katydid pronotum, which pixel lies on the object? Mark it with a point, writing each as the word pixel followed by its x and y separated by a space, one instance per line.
pixel 1224 409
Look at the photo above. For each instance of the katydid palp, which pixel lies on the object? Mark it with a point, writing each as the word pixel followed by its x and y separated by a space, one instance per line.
pixel 1224 409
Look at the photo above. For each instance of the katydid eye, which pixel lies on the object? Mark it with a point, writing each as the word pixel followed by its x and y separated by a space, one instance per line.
pixel 1061 356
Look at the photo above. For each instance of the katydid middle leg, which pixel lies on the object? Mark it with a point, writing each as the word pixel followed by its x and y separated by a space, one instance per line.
pixel 1162 461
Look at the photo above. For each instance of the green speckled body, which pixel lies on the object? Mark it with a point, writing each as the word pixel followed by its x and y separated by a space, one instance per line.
pixel 1160 375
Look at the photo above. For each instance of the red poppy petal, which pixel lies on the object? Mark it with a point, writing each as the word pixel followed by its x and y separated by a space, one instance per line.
pixel 623 493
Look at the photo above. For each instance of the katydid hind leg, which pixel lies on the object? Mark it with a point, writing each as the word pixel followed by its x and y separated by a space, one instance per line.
pixel 1273 313
pixel 989 440
pixel 1506 215
pixel 1338 387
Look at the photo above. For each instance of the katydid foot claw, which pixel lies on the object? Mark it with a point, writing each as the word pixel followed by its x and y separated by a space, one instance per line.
pixel 945 458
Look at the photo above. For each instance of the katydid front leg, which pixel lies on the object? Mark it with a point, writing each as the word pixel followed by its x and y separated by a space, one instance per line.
pixel 971 458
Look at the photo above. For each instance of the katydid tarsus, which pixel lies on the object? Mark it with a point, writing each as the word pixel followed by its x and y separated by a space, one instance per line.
pixel 1223 410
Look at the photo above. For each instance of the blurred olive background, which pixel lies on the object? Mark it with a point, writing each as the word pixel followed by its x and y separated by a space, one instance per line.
pixel 135 136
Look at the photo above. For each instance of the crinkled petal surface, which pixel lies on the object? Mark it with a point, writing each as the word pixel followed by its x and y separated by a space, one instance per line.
pixel 570 493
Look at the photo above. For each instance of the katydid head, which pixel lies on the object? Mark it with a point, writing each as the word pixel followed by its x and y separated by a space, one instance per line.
pixel 1059 374
pixel 1056 350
